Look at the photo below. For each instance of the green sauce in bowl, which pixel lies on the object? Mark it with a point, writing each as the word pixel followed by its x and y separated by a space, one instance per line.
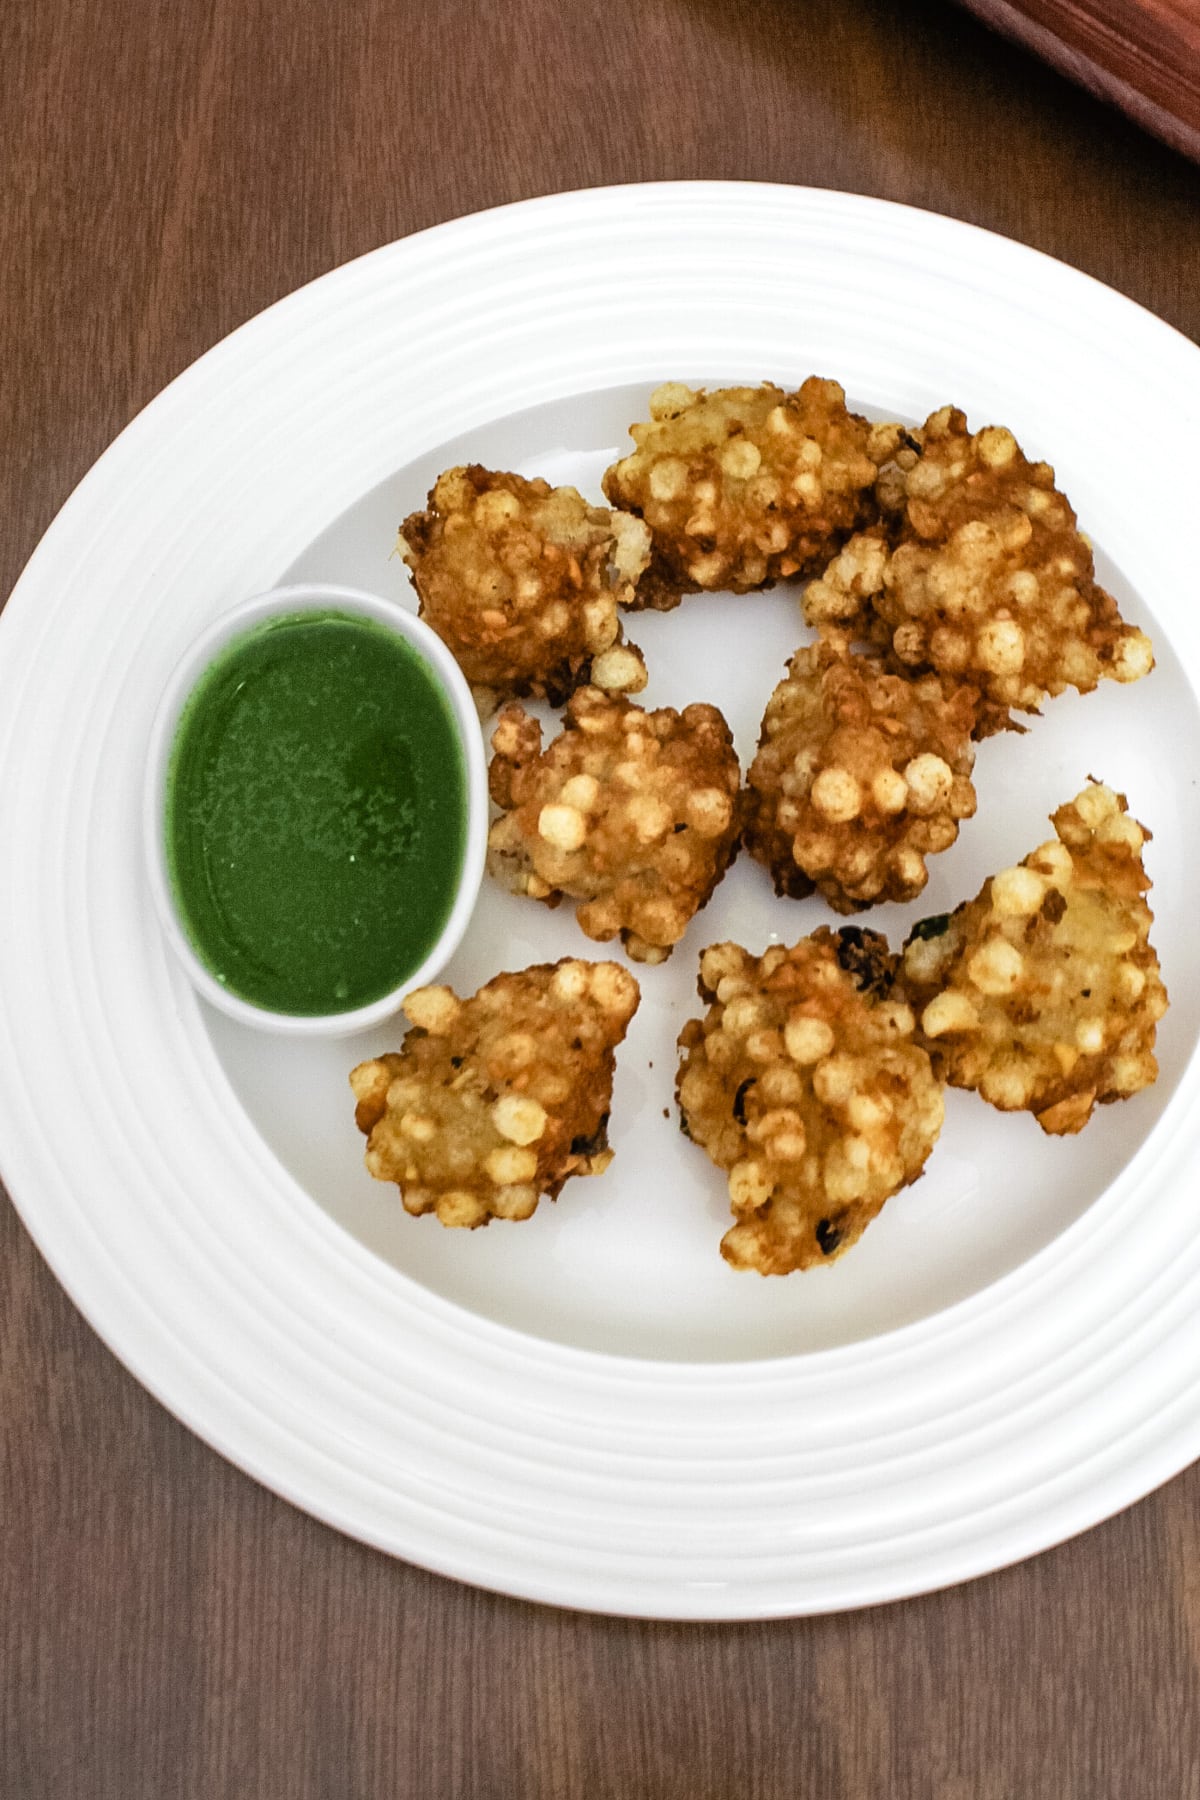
pixel 316 813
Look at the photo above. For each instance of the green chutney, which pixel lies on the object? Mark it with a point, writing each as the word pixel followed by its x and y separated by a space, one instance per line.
pixel 316 813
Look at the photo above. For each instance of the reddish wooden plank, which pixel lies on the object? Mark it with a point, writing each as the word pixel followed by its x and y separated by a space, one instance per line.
pixel 1143 55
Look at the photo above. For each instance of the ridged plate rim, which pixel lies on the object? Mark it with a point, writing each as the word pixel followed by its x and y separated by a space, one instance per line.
pixel 716 1491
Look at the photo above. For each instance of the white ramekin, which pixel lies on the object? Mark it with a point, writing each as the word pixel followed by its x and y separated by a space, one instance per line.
pixel 188 671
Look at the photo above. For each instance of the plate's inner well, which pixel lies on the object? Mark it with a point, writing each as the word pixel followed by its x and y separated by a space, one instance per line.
pixel 627 1263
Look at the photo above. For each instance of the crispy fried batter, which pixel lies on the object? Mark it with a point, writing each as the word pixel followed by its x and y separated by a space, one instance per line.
pixel 634 814
pixel 743 486
pixel 521 581
pixel 989 579
pixel 804 1083
pixel 1043 993
pixel 860 774
pixel 495 1100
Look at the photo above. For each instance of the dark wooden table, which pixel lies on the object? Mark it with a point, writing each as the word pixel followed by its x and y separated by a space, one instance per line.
pixel 167 1628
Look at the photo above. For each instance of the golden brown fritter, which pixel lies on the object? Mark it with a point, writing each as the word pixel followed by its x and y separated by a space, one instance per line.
pixel 804 1083
pixel 745 485
pixel 633 814
pixel 521 581
pixel 1043 993
pixel 495 1100
pixel 860 775
pixel 988 580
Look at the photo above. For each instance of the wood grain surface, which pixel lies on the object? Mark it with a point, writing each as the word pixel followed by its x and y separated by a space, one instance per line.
pixel 167 1628
pixel 1144 55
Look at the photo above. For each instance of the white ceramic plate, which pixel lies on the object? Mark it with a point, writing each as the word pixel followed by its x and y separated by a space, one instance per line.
pixel 590 1408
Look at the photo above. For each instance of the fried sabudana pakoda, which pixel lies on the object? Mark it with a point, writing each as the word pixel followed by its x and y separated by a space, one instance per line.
pixel 633 814
pixel 745 486
pixel 986 577
pixel 804 1083
pixel 522 581
pixel 495 1100
pixel 861 773
pixel 1043 993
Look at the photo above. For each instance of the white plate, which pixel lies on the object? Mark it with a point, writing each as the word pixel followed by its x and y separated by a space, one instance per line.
pixel 590 1408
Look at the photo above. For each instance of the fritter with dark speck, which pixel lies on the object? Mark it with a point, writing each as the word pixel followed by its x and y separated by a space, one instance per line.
pixel 803 1083
pixel 1044 992
pixel 498 1099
